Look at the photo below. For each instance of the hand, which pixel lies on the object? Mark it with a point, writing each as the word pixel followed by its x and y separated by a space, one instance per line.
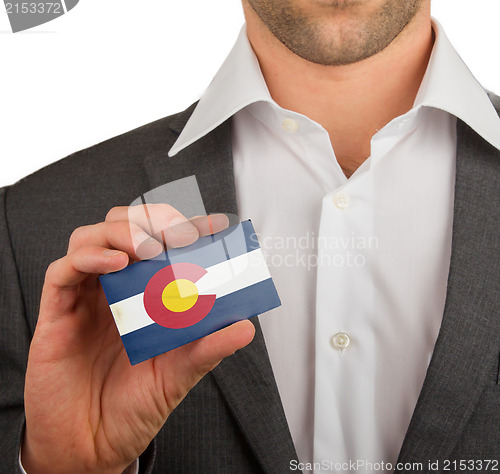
pixel 87 409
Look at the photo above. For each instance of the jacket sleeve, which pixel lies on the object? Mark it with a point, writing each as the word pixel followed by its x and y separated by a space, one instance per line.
pixel 15 338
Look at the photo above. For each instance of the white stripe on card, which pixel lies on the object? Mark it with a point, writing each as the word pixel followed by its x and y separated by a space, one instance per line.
pixel 130 314
pixel 221 279
pixel 233 275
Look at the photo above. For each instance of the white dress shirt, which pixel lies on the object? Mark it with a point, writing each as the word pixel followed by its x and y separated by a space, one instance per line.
pixel 361 264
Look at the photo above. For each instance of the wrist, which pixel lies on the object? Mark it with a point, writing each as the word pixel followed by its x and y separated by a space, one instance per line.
pixel 27 458
pixel 34 463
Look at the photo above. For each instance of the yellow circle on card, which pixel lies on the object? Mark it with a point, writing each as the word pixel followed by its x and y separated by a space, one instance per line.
pixel 180 295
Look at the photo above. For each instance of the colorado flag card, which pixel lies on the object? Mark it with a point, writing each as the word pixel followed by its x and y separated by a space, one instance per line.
pixel 187 293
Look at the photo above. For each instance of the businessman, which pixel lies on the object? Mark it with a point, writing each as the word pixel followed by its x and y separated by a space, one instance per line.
pixel 350 125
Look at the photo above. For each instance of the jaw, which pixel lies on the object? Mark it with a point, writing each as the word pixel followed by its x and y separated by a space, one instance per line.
pixel 332 32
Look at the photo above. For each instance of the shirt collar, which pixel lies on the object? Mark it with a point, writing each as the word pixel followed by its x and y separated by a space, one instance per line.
pixel 450 86
pixel 447 85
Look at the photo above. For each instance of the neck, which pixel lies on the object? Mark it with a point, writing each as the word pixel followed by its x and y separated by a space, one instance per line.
pixel 353 101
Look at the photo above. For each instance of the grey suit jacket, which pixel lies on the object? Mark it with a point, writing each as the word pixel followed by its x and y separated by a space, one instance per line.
pixel 233 420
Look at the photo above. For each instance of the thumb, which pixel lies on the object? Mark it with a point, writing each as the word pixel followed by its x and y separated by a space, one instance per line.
pixel 182 368
pixel 210 350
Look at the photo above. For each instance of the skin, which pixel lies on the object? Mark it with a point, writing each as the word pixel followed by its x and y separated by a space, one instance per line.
pixel 87 409
pixel 363 59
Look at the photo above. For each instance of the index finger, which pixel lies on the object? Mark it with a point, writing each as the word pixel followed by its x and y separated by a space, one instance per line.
pixel 167 224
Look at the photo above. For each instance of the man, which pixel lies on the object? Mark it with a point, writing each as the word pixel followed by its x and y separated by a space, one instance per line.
pixel 346 120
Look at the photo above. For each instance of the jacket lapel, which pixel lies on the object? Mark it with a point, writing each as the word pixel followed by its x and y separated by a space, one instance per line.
pixel 246 379
pixel 248 385
pixel 466 349
pixel 209 159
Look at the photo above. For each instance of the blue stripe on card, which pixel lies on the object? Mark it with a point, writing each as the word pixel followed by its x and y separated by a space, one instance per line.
pixel 205 252
pixel 154 340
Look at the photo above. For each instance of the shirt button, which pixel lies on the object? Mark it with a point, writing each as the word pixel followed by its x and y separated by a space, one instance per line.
pixel 289 125
pixel 340 341
pixel 341 200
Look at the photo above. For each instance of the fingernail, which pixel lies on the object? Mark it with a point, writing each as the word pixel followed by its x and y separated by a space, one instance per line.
pixel 111 253
pixel 182 226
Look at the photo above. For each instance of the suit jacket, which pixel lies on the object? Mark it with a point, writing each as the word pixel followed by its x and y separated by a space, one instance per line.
pixel 233 420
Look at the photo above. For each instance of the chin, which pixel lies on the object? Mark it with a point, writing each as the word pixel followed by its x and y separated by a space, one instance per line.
pixel 339 4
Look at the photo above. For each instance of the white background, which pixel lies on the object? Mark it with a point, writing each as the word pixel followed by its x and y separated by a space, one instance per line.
pixel 109 66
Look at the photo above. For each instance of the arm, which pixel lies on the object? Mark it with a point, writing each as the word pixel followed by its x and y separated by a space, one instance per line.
pixel 15 338
pixel 87 409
